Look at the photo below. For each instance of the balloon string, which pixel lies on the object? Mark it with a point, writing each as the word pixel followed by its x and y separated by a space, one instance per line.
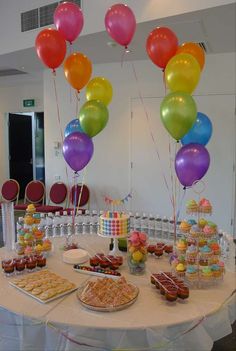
pixel 77 103
pixel 76 176
pixel 164 81
pixel 150 131
pixel 59 119
pixel 122 57
pixel 81 190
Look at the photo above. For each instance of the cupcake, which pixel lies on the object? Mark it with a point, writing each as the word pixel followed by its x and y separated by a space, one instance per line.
pixel 19 248
pixel 195 231
pixel 215 248
pixel 185 226
pixel 191 254
pixel 28 220
pixel 202 242
pixel 192 273
pixel 192 222
pixel 213 226
pixel 206 252
pixel 206 274
pixel 180 269
pixel 192 206
pixel 209 231
pixel 202 222
pixel 38 248
pixel 30 209
pixel 222 266
pixel 216 271
pixel 36 217
pixel 205 206
pixel 47 245
pixel 182 245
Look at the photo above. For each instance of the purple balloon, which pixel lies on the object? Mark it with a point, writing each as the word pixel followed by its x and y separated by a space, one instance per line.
pixel 191 163
pixel 77 150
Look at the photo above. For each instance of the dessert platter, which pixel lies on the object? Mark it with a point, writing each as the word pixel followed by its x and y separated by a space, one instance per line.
pixel 44 286
pixel 95 271
pixel 107 294
pixel 197 255
pixel 30 237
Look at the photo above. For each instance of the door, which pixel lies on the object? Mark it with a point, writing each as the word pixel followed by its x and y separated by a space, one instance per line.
pixel 20 150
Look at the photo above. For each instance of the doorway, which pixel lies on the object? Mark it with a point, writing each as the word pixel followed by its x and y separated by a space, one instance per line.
pixel 26 148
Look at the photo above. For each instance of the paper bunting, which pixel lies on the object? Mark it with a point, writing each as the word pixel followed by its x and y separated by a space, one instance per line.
pixel 117 202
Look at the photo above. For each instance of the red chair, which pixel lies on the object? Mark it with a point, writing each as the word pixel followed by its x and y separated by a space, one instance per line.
pixel 76 196
pixel 34 194
pixel 57 195
pixel 10 190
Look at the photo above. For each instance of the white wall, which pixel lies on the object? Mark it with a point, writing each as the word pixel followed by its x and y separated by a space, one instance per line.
pixel 108 173
pixel 11 100
pixel 94 11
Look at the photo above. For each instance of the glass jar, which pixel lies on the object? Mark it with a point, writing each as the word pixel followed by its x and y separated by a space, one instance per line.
pixel 137 253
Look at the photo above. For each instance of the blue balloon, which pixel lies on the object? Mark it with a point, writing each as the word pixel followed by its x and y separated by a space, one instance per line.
pixel 201 131
pixel 73 126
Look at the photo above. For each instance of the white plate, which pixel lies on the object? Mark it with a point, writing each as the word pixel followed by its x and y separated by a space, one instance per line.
pixel 43 301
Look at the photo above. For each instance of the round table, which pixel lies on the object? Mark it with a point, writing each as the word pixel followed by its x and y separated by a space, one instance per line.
pixel 150 323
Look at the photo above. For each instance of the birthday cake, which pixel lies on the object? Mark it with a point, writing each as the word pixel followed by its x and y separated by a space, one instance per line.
pixel 114 224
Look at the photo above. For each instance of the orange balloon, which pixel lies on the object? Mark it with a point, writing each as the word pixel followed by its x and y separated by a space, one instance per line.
pixel 194 50
pixel 78 70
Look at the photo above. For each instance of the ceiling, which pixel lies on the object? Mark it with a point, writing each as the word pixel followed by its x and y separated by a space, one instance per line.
pixel 216 27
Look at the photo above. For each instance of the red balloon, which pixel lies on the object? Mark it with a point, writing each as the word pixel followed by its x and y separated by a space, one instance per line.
pixel 161 45
pixel 51 47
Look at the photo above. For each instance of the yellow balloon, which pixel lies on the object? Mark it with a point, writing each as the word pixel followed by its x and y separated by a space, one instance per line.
pixel 99 88
pixel 182 73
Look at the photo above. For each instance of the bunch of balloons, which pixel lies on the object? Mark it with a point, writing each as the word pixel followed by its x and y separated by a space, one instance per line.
pixel 92 119
pixel 182 67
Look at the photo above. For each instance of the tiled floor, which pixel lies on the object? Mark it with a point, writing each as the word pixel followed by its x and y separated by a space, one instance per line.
pixel 228 343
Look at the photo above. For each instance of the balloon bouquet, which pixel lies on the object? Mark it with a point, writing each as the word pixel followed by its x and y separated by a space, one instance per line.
pixel 93 116
pixel 182 67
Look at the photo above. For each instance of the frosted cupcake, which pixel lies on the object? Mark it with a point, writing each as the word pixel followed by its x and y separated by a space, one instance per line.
pixel 202 222
pixel 206 252
pixel 182 245
pixel 209 231
pixel 192 207
pixel 195 231
pixel 216 271
pixel 185 226
pixel 192 273
pixel 205 206
pixel 191 254
pixel 180 270
pixel 206 274
pixel 192 222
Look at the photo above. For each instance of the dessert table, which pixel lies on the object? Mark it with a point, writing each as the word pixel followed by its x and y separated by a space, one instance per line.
pixel 151 323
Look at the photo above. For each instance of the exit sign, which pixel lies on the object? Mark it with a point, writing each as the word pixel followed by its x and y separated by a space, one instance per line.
pixel 29 103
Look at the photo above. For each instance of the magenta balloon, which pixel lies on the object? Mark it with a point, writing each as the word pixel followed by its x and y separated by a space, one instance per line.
pixel 191 163
pixel 69 20
pixel 120 23
pixel 77 150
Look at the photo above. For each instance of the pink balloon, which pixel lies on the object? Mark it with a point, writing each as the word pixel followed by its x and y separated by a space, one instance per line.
pixel 120 23
pixel 69 20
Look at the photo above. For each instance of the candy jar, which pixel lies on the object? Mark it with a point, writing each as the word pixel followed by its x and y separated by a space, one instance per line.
pixel 137 252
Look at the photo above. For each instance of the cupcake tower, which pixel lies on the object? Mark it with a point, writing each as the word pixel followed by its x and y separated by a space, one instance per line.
pixel 30 239
pixel 197 256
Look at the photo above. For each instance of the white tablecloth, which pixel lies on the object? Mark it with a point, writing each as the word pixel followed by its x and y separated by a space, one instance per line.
pixel 150 323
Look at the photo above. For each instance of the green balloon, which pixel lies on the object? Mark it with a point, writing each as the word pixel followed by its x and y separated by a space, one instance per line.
pixel 93 117
pixel 178 113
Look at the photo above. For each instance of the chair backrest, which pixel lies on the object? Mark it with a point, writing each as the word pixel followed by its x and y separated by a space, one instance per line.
pixel 35 192
pixel 10 190
pixel 58 193
pixel 75 195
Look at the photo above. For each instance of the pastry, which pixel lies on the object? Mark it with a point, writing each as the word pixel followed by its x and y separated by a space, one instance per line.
pixel 192 273
pixel 182 245
pixel 195 231
pixel 185 226
pixel 206 274
pixel 205 206
pixel 192 206
pixel 180 269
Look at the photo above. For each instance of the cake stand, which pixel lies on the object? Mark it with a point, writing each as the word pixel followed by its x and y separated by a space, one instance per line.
pixel 115 251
